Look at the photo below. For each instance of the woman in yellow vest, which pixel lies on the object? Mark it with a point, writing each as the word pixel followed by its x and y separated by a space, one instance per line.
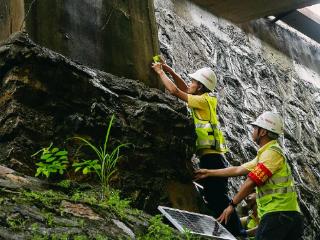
pixel 210 142
pixel 269 172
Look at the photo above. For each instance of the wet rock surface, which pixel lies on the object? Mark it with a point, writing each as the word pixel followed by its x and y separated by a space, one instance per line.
pixel 53 213
pixel 45 97
pixel 250 81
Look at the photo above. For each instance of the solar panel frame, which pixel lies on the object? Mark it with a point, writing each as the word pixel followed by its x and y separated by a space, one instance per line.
pixel 165 211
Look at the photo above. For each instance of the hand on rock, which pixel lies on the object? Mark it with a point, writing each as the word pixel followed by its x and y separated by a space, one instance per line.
pixel 202 173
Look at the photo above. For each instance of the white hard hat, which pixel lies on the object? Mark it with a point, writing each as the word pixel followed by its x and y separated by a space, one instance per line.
pixel 270 121
pixel 206 76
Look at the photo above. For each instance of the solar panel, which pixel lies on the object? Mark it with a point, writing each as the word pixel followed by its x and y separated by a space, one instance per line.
pixel 196 223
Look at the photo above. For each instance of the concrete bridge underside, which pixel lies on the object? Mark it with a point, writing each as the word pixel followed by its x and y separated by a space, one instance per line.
pixel 246 10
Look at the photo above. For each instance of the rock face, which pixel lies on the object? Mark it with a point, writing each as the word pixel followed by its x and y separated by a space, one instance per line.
pixel 29 210
pixel 45 98
pixel 254 75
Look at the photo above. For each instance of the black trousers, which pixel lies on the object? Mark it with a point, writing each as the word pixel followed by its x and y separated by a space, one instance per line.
pixel 216 192
pixel 280 226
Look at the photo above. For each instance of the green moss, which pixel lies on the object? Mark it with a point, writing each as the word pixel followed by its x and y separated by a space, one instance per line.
pixel 51 237
pixel 80 237
pixel 65 183
pixel 59 237
pixel 39 237
pixel 49 219
pixel 101 237
pixel 34 227
pixel 16 223
pixel 118 205
pixel 90 197
pixel 47 198
pixel 158 230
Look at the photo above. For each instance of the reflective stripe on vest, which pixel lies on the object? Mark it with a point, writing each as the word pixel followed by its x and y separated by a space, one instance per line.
pixel 278 193
pixel 206 142
pixel 278 190
pixel 205 125
pixel 278 180
pixel 208 133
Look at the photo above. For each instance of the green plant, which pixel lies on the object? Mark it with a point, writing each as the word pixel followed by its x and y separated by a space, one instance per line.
pixel 118 205
pixel 158 230
pixel 40 237
pixel 101 237
pixel 16 223
pixel 64 183
pixel 187 235
pixel 52 160
pixel 80 237
pixel 105 164
pixel 59 236
pixel 50 219
pixel 87 166
pixel 84 197
pixel 82 223
pixel 47 198
pixel 34 227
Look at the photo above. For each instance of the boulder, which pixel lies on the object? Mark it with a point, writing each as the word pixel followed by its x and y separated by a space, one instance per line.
pixel 45 97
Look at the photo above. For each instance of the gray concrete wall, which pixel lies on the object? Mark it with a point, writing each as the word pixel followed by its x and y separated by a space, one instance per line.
pixel 260 67
pixel 247 10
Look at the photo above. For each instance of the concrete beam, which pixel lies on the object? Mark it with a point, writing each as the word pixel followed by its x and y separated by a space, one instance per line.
pixel 246 10
pixel 304 21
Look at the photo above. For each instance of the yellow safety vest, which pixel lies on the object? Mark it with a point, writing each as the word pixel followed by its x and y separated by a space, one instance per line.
pixel 252 222
pixel 208 133
pixel 278 193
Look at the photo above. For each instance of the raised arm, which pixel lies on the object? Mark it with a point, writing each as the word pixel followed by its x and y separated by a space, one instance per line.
pixel 178 80
pixel 169 85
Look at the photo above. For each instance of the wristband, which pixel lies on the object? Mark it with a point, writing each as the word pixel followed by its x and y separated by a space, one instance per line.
pixel 231 203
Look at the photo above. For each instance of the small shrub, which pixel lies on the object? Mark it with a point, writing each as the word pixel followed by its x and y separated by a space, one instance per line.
pixel 65 183
pixel 87 166
pixel 187 235
pixel 119 206
pixel 158 230
pixel 52 160
pixel 105 164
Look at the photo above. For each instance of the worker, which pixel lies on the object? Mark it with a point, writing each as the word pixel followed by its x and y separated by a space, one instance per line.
pixel 210 143
pixel 250 223
pixel 269 172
